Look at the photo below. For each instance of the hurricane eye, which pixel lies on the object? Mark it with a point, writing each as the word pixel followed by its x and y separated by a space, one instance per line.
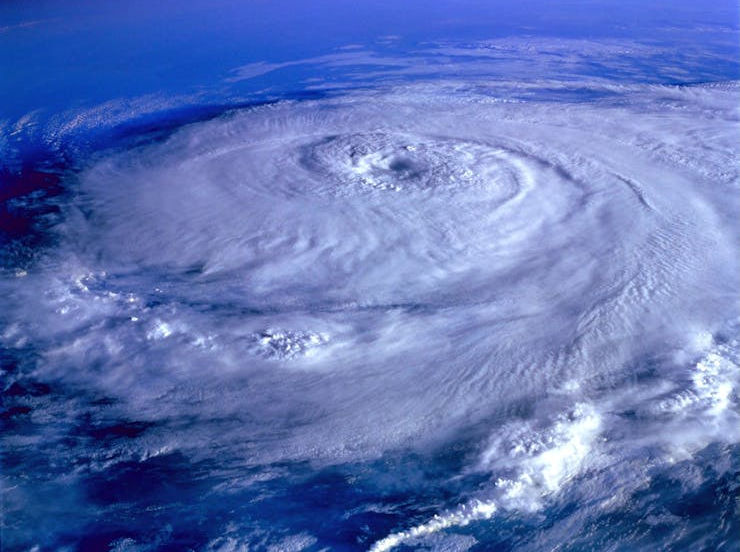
pixel 401 165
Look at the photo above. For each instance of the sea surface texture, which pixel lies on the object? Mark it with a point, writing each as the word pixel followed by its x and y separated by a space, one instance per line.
pixel 280 277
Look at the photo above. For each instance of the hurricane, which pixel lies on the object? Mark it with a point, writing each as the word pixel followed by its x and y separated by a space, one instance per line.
pixel 428 313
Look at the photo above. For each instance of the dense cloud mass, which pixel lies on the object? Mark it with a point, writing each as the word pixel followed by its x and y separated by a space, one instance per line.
pixel 472 308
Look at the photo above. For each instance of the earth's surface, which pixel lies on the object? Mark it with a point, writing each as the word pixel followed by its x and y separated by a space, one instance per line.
pixel 335 276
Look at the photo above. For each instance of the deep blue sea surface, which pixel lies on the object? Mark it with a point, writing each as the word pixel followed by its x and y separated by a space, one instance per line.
pixel 443 276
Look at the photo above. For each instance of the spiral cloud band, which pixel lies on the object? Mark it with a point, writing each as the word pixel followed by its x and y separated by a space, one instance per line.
pixel 542 293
